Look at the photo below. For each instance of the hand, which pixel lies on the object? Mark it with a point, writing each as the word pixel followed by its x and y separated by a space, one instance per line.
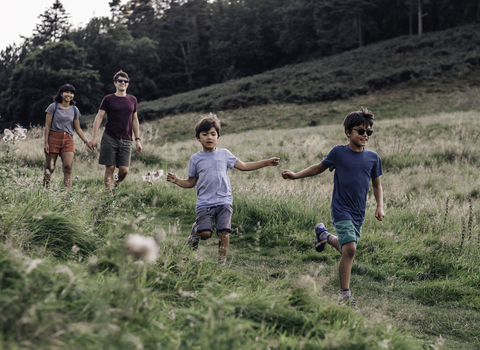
pixel 171 177
pixel 46 148
pixel 287 174
pixel 379 214
pixel 92 144
pixel 273 161
pixel 89 145
pixel 139 146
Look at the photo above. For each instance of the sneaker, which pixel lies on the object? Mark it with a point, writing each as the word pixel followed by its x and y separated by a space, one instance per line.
pixel 193 239
pixel 321 237
pixel 221 261
pixel 348 300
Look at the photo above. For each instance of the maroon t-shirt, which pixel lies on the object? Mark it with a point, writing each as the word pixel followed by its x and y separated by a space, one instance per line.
pixel 119 115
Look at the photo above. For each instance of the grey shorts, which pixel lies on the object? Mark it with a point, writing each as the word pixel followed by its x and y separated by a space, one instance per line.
pixel 115 151
pixel 222 215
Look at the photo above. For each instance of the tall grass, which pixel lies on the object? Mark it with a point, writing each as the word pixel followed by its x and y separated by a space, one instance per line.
pixel 67 281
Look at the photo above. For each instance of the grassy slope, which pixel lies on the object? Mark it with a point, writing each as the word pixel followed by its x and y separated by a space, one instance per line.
pixel 431 57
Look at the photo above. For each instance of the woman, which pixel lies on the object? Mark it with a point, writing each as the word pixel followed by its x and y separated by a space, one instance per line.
pixel 62 117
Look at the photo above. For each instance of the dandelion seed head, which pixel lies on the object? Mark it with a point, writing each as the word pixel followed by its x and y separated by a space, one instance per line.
pixel 142 247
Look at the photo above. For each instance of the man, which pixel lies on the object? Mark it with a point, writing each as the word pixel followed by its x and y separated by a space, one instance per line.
pixel 116 144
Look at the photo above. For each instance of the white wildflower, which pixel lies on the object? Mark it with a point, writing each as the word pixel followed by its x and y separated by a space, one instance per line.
pixel 147 178
pixel 75 249
pixel 142 247
pixel 157 174
pixel 20 133
pixel 9 136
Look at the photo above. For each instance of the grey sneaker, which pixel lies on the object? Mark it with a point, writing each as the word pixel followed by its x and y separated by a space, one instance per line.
pixel 193 239
pixel 348 300
pixel 221 261
pixel 321 237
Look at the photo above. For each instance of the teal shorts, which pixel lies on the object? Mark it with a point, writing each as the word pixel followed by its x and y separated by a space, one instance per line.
pixel 347 231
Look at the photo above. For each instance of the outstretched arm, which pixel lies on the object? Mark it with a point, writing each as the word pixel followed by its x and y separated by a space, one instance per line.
pixel 378 193
pixel 185 183
pixel 96 125
pixel 256 165
pixel 310 171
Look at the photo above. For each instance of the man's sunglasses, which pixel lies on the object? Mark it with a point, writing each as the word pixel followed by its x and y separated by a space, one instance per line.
pixel 362 131
pixel 126 81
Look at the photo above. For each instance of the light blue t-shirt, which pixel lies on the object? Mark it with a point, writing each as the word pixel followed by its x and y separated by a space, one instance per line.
pixel 353 171
pixel 211 171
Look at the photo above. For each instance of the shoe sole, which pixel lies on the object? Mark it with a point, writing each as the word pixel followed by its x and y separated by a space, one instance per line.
pixel 320 246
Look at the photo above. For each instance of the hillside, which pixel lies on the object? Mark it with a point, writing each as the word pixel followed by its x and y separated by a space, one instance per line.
pixel 432 57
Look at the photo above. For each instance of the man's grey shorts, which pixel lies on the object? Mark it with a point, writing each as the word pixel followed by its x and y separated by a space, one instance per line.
pixel 115 151
pixel 222 215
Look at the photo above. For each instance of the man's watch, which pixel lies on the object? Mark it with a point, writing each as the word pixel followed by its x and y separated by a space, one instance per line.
pixel 137 139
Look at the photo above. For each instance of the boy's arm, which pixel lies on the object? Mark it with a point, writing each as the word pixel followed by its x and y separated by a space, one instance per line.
pixel 310 171
pixel 378 193
pixel 96 125
pixel 185 183
pixel 256 165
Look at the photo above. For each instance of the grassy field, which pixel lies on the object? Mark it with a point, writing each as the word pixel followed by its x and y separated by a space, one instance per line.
pixel 67 282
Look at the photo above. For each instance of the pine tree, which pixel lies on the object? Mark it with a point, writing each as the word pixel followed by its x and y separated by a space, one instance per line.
pixel 54 24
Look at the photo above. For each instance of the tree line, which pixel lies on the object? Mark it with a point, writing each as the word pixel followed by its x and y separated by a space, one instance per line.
pixel 174 46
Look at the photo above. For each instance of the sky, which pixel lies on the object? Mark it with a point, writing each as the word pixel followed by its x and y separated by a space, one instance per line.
pixel 21 16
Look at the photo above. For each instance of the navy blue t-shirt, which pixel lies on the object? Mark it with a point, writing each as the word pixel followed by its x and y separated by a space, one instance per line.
pixel 353 171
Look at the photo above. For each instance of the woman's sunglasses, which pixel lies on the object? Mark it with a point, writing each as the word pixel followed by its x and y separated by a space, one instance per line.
pixel 362 131
pixel 126 81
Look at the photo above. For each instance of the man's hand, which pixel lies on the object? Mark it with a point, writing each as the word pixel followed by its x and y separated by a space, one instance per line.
pixel 92 144
pixel 139 146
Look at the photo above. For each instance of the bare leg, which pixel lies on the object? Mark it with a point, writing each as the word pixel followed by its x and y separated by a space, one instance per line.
pixel 345 266
pixel 223 243
pixel 204 235
pixel 67 163
pixel 334 242
pixel 108 178
pixel 50 161
pixel 122 173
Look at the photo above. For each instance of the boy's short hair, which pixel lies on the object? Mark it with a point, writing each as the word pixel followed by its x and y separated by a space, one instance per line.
pixel 206 123
pixel 361 117
pixel 120 73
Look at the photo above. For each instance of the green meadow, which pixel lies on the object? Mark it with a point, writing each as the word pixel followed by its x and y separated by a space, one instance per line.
pixel 68 282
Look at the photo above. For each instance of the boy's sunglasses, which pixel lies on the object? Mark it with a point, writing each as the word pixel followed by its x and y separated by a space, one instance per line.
pixel 126 81
pixel 362 131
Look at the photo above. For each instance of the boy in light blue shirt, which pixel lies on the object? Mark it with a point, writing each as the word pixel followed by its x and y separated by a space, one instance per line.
pixel 354 166
pixel 208 170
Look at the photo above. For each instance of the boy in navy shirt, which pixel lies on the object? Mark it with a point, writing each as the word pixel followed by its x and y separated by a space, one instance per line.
pixel 354 167
pixel 208 170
